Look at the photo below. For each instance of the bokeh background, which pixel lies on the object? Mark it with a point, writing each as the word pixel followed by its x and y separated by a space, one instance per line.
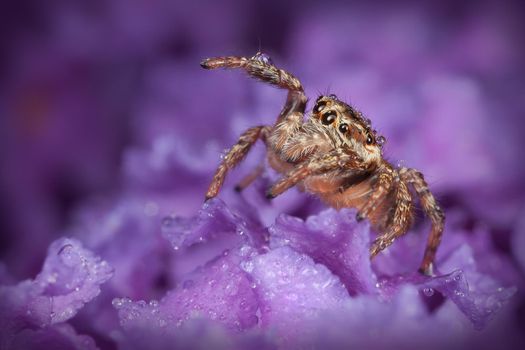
pixel 96 96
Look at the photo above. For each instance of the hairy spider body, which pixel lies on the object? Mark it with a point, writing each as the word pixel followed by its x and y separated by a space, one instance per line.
pixel 334 154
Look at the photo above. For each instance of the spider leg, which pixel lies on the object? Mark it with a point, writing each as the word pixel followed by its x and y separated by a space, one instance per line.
pixel 381 189
pixel 318 165
pixel 432 210
pixel 235 155
pixel 248 179
pixel 400 223
pixel 291 116
pixel 258 67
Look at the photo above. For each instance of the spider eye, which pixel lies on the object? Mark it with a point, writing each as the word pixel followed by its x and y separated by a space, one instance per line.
pixel 343 128
pixel 328 118
pixel 319 105
pixel 369 140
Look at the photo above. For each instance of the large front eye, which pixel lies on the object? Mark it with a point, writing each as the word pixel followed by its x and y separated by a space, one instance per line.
pixel 343 128
pixel 328 118
pixel 318 106
pixel 369 140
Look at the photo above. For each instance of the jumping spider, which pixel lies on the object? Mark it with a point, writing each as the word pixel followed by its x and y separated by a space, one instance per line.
pixel 334 154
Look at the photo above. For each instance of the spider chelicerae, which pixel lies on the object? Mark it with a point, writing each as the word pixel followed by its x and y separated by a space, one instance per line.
pixel 334 154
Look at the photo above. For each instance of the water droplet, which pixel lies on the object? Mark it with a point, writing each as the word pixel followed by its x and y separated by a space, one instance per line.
pixel 262 57
pixel 52 278
pixel 428 292
pixel 224 154
pixel 459 293
pixel 247 266
pixel 117 302
pixel 333 96
pixel 381 140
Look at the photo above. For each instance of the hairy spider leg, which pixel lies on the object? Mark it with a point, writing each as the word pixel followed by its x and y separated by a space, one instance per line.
pixel 401 220
pixel 257 67
pixel 432 210
pixel 234 156
pixel 291 116
pixel 289 121
pixel 381 188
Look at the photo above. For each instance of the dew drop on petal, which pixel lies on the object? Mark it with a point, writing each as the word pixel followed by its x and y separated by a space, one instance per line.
pixel 428 292
pixel 117 302
pixel 459 293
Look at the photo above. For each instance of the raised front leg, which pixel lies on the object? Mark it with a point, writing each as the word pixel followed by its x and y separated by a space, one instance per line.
pixel 260 67
pixel 432 210
pixel 318 165
pixel 235 155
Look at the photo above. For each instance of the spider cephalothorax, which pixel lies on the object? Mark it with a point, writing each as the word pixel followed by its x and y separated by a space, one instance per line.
pixel 334 154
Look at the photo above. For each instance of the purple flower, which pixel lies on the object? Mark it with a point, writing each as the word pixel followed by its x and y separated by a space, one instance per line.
pixel 151 266
pixel 325 238
pixel 34 312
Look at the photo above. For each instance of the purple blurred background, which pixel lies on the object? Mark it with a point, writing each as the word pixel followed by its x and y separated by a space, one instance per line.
pixel 89 88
